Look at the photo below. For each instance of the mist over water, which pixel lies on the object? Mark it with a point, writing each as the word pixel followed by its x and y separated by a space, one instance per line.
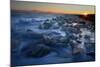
pixel 39 38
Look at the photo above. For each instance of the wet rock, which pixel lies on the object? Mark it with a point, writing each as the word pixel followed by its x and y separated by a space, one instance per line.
pixel 34 51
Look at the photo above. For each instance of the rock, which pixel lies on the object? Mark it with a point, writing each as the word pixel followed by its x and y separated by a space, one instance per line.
pixel 35 51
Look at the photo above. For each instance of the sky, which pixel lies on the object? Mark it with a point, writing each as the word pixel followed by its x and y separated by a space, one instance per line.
pixel 85 2
pixel 53 7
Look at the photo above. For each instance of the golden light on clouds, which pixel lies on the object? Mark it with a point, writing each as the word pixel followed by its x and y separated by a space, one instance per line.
pixel 53 7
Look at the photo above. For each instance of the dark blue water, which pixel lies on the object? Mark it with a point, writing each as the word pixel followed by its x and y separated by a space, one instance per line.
pixel 38 38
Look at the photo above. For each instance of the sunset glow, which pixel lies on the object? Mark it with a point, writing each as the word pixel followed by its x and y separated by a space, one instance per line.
pixel 85 14
pixel 53 7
